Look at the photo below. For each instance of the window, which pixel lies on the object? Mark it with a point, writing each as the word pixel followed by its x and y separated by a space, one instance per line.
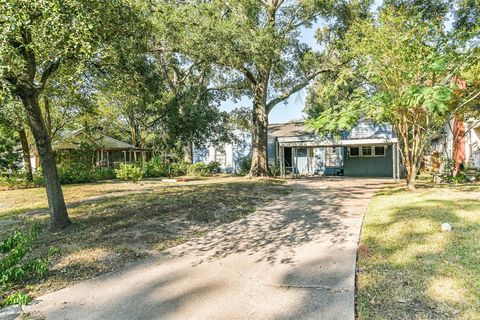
pixel 366 151
pixel 354 151
pixel 380 151
pixel 220 156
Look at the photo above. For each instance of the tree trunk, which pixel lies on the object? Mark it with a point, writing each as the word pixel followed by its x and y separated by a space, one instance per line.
pixel 260 132
pixel 26 154
pixel 143 145
pixel 459 146
pixel 48 117
pixel 188 152
pixel 411 176
pixel 58 210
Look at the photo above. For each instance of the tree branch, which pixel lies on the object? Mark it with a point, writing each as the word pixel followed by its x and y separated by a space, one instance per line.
pixel 49 70
pixel 284 96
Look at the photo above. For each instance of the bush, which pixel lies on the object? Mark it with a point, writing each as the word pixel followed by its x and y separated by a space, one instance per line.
pixel 129 172
pixel 157 167
pixel 105 174
pixel 214 167
pixel 16 298
pixel 14 181
pixel 274 170
pixel 244 166
pixel 15 267
pixel 179 169
pixel 76 173
pixel 197 169
pixel 203 169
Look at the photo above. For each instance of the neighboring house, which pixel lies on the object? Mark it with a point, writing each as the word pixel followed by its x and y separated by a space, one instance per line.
pixel 109 152
pixel 368 150
pixel 466 135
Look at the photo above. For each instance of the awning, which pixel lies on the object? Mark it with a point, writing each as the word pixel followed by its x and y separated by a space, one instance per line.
pixel 298 142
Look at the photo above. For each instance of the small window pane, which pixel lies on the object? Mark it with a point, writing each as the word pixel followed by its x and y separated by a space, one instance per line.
pixel 380 151
pixel 354 151
pixel 366 151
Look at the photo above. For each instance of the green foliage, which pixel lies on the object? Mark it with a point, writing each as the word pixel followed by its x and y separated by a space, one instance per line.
pixel 274 170
pixel 76 173
pixel 105 173
pixel 244 166
pixel 14 264
pixel 179 168
pixel 397 68
pixel 9 157
pixel 14 180
pixel 203 169
pixel 157 167
pixel 16 298
pixel 130 172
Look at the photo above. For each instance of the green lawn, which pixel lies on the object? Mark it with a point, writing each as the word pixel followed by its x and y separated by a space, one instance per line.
pixel 408 267
pixel 131 221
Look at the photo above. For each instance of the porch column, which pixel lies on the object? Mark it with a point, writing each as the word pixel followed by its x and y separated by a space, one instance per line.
pixel 394 161
pixel 282 162
pixel 294 162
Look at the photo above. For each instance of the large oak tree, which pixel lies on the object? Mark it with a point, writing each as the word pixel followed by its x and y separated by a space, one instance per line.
pixel 39 38
pixel 258 42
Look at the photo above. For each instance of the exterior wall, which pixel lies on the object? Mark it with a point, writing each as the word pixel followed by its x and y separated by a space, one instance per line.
pixel 234 152
pixel 472 149
pixel 369 166
pixel 272 149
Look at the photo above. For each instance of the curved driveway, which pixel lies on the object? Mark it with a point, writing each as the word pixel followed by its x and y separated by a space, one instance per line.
pixel 294 259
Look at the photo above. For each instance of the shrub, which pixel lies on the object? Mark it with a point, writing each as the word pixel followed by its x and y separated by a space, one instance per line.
pixel 203 169
pixel 105 174
pixel 76 173
pixel 157 167
pixel 244 166
pixel 274 170
pixel 197 169
pixel 16 298
pixel 14 181
pixel 15 267
pixel 129 172
pixel 214 167
pixel 179 169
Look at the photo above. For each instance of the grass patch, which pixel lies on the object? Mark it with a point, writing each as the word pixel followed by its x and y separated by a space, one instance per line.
pixel 125 222
pixel 408 267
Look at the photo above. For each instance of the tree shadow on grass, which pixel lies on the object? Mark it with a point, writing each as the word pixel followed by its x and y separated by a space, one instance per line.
pixel 396 280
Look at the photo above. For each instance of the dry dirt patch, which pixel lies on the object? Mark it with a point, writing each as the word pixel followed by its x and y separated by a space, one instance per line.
pixel 132 223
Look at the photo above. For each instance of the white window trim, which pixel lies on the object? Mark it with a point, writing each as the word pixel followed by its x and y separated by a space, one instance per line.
pixel 373 155
pixel 359 152
pixel 380 155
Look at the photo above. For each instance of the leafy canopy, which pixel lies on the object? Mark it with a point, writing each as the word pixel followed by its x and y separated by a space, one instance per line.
pixel 396 66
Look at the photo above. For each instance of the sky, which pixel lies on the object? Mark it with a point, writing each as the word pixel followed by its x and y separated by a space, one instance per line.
pixel 292 109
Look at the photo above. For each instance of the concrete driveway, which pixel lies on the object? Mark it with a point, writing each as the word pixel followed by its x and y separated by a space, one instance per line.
pixel 294 259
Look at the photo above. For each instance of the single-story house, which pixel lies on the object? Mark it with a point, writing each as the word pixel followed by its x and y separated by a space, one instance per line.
pixel 368 150
pixel 109 152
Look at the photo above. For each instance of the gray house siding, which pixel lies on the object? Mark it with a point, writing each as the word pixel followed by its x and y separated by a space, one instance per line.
pixel 272 149
pixel 369 166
